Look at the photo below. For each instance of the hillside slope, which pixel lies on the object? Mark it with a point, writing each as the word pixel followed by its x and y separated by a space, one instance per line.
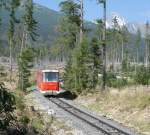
pixel 47 28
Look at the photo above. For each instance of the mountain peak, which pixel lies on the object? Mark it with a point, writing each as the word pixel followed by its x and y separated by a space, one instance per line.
pixel 120 20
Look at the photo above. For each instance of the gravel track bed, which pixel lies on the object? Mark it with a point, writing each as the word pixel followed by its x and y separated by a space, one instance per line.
pixel 81 127
pixel 43 104
pixel 103 120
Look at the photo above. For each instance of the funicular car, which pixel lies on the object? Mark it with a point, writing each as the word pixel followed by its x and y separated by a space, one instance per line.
pixel 48 82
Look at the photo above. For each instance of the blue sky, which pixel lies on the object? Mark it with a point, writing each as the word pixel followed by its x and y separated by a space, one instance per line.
pixel 131 10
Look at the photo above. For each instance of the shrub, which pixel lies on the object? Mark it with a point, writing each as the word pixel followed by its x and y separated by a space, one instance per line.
pixel 112 81
pixel 142 76
pixel 24 120
pixel 7 106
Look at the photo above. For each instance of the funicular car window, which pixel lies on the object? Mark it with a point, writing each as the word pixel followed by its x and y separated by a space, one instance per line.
pixel 50 76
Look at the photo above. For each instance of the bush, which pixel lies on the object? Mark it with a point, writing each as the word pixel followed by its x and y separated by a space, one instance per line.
pixel 142 76
pixel 24 120
pixel 112 81
pixel 19 102
pixel 7 106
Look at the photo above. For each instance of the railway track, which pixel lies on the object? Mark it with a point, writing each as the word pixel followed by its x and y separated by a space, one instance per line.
pixel 98 124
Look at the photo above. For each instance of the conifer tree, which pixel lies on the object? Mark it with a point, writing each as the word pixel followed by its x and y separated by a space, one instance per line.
pixel 96 60
pixel 25 63
pixel 103 2
pixel 29 24
pixel 78 70
pixel 82 65
pixel 99 29
pixel 26 56
pixel 81 19
pixel 69 26
pixel 147 43
pixel 138 44
pixel 124 40
pixel 11 29
pixel 69 76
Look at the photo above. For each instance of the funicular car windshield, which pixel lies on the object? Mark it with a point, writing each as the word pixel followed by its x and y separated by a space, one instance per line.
pixel 50 77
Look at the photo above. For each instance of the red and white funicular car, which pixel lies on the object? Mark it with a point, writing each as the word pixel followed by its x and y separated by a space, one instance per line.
pixel 48 82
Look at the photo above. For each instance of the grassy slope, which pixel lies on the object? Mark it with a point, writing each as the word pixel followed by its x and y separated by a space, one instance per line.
pixel 128 106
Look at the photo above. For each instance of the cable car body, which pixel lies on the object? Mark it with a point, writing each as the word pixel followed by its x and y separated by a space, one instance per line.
pixel 48 82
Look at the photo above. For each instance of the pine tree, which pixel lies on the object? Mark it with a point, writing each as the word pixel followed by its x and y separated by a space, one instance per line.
pixel 147 42
pixel 96 60
pixel 104 42
pixel 69 76
pixel 29 24
pixel 80 56
pixel 125 63
pixel 11 29
pixel 81 20
pixel 117 40
pixel 138 45
pixel 78 70
pixel 99 29
pixel 25 63
pixel 26 56
pixel 124 40
pixel 82 66
pixel 69 26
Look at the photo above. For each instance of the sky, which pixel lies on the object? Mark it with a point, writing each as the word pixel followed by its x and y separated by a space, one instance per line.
pixel 131 10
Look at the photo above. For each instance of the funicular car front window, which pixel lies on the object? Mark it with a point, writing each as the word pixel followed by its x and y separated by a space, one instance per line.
pixel 51 77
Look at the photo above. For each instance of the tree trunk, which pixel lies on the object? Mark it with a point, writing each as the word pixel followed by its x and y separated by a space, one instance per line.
pixel 22 43
pixel 25 41
pixel 10 58
pixel 137 59
pixel 146 55
pixel 122 50
pixel 81 19
pixel 104 47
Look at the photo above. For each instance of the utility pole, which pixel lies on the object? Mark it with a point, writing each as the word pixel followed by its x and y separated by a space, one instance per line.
pixel 104 44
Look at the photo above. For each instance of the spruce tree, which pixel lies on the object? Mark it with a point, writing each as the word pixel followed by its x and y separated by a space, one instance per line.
pixel 103 2
pixel 29 24
pixel 11 28
pixel 96 60
pixel 26 56
pixel 138 45
pixel 77 75
pixel 69 76
pixel 82 66
pixel 25 63
pixel 69 26
pixel 147 44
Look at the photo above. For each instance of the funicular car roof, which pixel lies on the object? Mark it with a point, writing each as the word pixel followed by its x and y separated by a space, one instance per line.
pixel 47 70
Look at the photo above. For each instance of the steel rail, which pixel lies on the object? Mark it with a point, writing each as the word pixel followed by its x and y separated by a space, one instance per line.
pixel 61 104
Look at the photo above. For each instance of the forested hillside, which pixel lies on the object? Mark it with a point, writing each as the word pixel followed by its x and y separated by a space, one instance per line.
pixel 47 26
pixel 48 21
